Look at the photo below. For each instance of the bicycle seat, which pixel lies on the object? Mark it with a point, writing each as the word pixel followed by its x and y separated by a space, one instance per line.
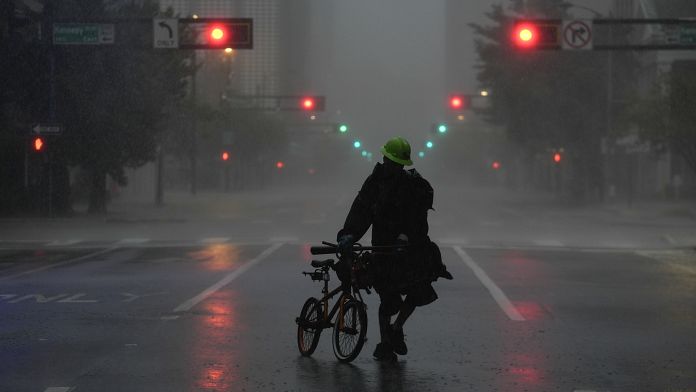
pixel 322 263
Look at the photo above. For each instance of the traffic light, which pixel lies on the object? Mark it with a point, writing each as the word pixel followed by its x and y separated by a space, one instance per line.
pixel 442 128
pixel 218 34
pixel 225 156
pixel 429 144
pixel 458 102
pixel 421 154
pixel 495 165
pixel 557 158
pixel 536 34
pixel 357 144
pixel 311 103
pixel 280 165
pixel 38 144
pixel 208 33
pixel 343 128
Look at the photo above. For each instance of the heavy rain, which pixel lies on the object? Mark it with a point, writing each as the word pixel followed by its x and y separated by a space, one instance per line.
pixel 325 195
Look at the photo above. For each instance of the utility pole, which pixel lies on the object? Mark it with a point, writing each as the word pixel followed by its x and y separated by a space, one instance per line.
pixel 194 125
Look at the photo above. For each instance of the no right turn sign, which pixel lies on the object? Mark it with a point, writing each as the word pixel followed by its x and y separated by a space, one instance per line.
pixel 576 35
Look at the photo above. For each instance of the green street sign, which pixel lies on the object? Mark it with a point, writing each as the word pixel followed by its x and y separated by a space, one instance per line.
pixel 83 34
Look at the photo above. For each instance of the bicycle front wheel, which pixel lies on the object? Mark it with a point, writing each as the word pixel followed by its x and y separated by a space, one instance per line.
pixel 349 332
pixel 309 326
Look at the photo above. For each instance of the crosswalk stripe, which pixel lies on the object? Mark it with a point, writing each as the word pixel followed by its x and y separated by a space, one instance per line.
pixel 554 243
pixel 215 240
pixel 64 242
pixel 133 241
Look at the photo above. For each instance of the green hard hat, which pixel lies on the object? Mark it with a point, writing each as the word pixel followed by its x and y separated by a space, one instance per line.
pixel 398 150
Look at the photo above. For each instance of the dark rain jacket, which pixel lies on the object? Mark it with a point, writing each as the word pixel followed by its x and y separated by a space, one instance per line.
pixel 394 204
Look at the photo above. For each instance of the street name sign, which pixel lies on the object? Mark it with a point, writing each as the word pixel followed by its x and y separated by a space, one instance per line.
pixel 166 33
pixel 576 35
pixel 45 129
pixel 83 33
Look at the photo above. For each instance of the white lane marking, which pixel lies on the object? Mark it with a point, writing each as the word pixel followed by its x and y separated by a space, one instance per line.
pixel 552 243
pixel 45 267
pixel 75 299
pixel 167 318
pixel 452 241
pixel 214 240
pixel 58 389
pixel 495 291
pixel 670 239
pixel 227 279
pixel 133 241
pixel 63 242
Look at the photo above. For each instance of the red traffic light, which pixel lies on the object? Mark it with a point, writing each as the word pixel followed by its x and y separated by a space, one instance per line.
pixel 218 34
pixel 280 164
pixel 525 35
pixel 536 35
pixel 457 102
pixel 557 157
pixel 308 103
pixel 225 156
pixel 38 144
pixel 496 165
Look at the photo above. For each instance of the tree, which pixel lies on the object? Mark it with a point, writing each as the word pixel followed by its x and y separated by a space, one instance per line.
pixel 113 99
pixel 665 117
pixel 546 99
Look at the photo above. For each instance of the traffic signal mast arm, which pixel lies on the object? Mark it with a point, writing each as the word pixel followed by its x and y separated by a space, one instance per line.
pixel 547 34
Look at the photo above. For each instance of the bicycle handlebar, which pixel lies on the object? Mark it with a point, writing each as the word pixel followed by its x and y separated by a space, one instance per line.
pixel 333 248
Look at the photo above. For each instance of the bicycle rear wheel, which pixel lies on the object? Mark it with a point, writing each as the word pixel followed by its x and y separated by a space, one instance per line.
pixel 349 333
pixel 309 326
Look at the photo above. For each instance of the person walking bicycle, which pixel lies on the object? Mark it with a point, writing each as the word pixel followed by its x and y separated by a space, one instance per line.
pixel 395 202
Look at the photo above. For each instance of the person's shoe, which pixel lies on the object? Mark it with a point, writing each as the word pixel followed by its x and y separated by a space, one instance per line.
pixel 384 352
pixel 397 340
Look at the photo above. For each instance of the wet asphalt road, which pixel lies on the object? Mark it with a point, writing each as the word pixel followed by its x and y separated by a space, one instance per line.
pixel 603 321
pixel 217 314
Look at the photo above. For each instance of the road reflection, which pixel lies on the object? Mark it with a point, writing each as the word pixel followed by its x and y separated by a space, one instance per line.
pixel 217 257
pixel 213 351
pixel 523 363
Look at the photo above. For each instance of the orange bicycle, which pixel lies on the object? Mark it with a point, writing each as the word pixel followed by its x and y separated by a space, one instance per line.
pixel 348 316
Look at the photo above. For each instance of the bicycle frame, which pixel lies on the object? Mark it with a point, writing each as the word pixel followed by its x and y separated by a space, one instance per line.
pixel 347 293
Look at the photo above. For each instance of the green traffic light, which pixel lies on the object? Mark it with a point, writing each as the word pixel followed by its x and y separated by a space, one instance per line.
pixel 442 128
pixel 343 128
pixel 364 153
pixel 429 144
pixel 421 154
pixel 357 144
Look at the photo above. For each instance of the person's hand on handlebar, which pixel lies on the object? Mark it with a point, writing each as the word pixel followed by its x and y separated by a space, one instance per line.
pixel 345 243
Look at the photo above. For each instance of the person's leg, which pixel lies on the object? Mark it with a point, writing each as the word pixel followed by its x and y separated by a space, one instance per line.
pixel 389 304
pixel 405 312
